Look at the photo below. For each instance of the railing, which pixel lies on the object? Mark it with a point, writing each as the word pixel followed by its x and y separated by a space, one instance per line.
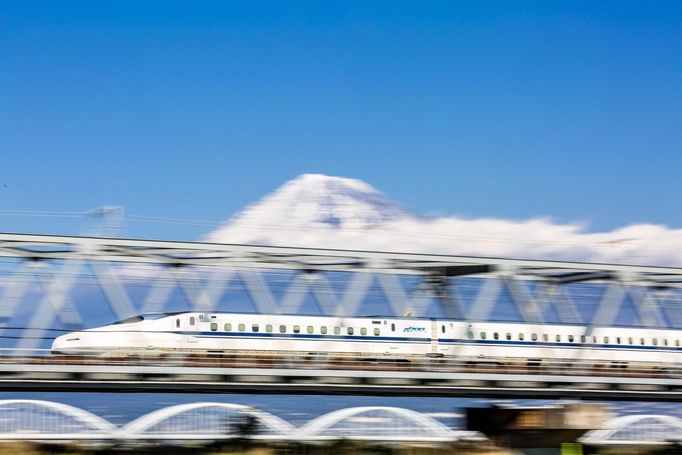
pixel 320 362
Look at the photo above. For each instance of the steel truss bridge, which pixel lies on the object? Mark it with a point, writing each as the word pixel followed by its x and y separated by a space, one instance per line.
pixel 50 284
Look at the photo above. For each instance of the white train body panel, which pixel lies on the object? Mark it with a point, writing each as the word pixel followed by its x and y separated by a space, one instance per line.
pixel 235 332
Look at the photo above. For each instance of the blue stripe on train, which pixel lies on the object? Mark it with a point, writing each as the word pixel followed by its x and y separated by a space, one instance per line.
pixel 557 345
pixel 445 341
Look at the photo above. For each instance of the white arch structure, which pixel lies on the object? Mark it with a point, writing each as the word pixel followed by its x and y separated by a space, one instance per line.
pixel 644 429
pixel 46 420
pixel 377 423
pixel 204 421
pixel 38 419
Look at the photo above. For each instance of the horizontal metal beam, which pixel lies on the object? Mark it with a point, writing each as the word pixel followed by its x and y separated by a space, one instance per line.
pixel 128 378
pixel 33 246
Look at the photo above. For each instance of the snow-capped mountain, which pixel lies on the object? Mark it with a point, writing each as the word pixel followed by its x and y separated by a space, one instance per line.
pixel 312 202
pixel 320 211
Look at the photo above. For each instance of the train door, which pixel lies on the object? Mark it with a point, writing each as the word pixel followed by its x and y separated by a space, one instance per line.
pixel 434 336
pixel 179 329
pixel 191 338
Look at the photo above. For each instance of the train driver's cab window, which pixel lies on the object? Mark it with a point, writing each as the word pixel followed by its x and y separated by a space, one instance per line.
pixel 376 331
pixel 363 331
pixel 323 330
pixel 310 330
pixel 282 328
pixel 254 328
pixel 177 323
pixel 242 327
pixel 392 327
pixel 337 330
pixel 214 326
pixel 228 327
pixel 297 329
pixel 349 330
pixel 192 320
pixel 268 328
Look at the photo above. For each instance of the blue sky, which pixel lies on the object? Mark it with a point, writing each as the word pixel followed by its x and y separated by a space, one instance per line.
pixel 192 110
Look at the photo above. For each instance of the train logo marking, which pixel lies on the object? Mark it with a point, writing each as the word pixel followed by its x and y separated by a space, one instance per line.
pixel 414 330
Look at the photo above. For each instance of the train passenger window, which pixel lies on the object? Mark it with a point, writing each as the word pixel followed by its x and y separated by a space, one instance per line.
pixel 521 336
pixel 310 329
pixel 470 334
pixel 363 331
pixel 617 340
pixel 677 343
pixel 558 338
pixel 282 328
pixel 508 336
pixel 268 328
pixel 496 336
pixel 242 327
pixel 228 327
pixel 534 336
pixel 629 340
pixel 545 337
pixel 570 338
pixel 214 326
pixel 192 320
pixel 594 339
pixel 376 331
pixel 177 323
pixel 254 328
pixel 665 342
pixel 641 341
pixel 654 341
pixel 297 329
pixel 337 330
pixel 482 335
pixel 392 327
pixel 606 340
pixel 323 330
pixel 350 330
pixel 442 329
pixel 583 338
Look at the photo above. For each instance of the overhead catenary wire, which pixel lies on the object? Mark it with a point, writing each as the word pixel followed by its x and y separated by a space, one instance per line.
pixel 385 229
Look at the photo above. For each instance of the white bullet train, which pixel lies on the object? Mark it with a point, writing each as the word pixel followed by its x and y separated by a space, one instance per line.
pixel 240 333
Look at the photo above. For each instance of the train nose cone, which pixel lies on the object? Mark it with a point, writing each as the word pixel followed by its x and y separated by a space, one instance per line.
pixel 65 343
pixel 57 344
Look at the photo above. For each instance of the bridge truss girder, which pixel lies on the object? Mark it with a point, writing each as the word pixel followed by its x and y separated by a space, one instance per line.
pixel 205 271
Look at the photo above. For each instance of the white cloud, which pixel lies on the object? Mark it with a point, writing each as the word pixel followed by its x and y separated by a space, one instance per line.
pixel 297 214
pixel 534 238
